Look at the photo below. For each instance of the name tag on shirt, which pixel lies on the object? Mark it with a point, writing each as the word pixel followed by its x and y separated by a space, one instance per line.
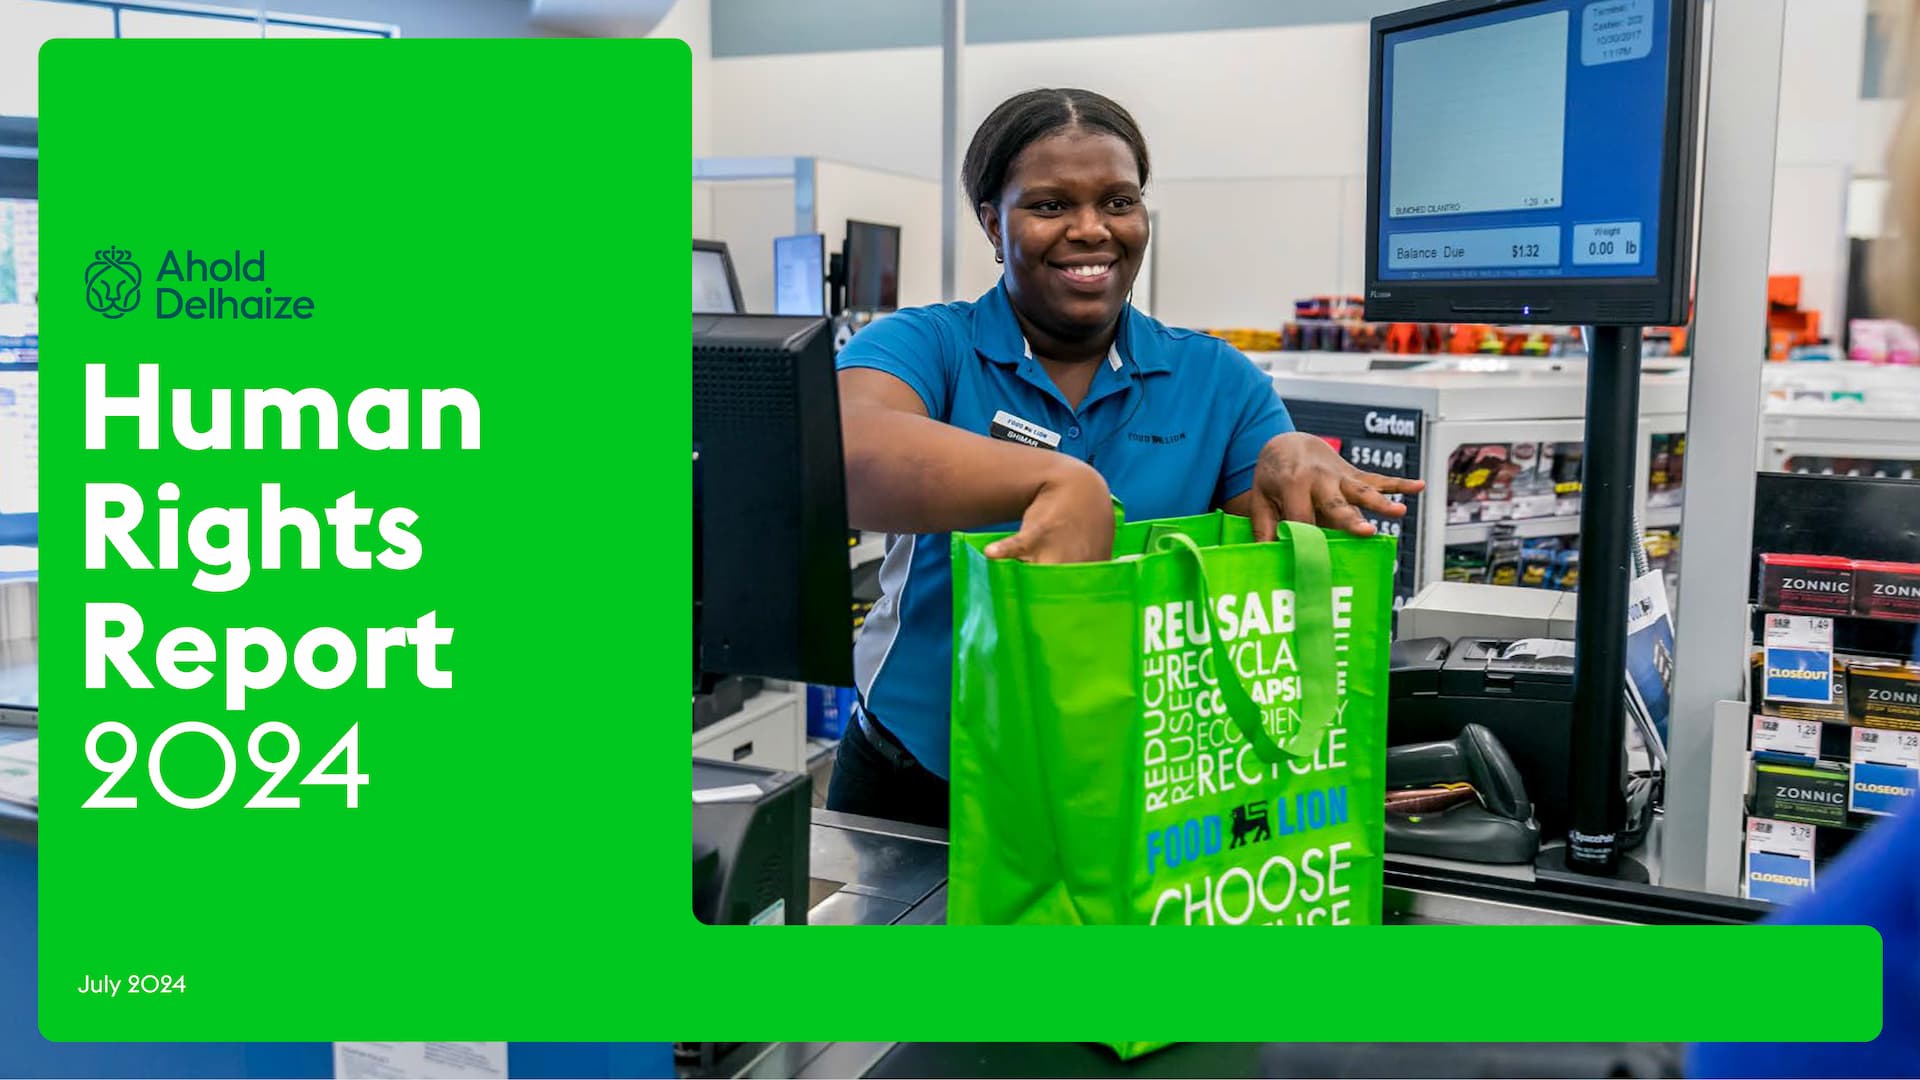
pixel 1011 428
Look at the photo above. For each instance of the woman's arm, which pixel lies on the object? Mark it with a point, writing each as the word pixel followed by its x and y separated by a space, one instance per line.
pixel 909 473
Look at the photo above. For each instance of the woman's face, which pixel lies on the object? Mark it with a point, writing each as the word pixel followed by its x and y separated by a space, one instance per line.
pixel 1073 230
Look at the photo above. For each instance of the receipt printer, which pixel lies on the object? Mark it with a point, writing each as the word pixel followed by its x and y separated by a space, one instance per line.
pixel 751 844
pixel 1520 691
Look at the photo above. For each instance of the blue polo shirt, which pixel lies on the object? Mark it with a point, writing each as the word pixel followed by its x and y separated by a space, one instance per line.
pixel 1174 420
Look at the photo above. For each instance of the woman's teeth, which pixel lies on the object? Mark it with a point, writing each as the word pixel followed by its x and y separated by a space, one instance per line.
pixel 1089 271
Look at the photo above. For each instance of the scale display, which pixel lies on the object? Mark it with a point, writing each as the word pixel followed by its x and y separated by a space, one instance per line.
pixel 1520 151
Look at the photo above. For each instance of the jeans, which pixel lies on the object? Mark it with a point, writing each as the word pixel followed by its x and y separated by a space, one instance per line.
pixel 874 776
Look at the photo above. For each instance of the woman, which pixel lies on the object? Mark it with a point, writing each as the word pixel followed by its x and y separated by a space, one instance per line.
pixel 1034 404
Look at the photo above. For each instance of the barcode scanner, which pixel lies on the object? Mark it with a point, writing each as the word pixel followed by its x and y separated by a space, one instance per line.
pixel 1497 827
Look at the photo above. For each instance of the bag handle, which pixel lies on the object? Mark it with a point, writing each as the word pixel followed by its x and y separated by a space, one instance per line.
pixel 1313 635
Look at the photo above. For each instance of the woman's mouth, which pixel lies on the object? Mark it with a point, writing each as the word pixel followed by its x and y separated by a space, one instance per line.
pixel 1088 277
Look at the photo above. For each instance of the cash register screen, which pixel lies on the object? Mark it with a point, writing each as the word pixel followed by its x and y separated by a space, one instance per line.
pixel 712 284
pixel 1525 142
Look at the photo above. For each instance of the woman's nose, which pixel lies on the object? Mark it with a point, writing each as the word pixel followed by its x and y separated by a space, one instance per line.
pixel 1088 225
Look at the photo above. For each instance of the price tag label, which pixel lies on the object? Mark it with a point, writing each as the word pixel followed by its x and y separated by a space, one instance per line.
pixel 1380 457
pixel 1460 513
pixel 1779 861
pixel 1800 737
pixel 1800 632
pixel 1799 656
pixel 1496 510
pixel 1789 838
pixel 1897 748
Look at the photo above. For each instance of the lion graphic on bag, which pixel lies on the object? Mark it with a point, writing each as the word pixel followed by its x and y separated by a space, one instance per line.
pixel 1251 818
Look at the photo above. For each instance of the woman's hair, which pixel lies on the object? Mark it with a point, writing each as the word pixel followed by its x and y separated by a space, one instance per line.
pixel 1026 118
pixel 1896 260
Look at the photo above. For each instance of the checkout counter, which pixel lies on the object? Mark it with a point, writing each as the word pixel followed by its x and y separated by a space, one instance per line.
pixel 865 871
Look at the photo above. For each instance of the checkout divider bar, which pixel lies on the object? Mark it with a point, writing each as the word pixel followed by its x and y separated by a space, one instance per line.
pixel 1588 899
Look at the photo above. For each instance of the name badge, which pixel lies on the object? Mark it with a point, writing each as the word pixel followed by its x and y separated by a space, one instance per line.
pixel 1011 428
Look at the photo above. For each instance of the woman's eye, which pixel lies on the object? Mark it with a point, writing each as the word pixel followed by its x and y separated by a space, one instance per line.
pixel 1120 203
pixel 1048 207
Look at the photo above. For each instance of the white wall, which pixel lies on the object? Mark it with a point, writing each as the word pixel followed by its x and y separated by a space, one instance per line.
pixel 1240 252
pixel 1259 150
pixel 1278 102
pixel 692 22
pixel 1259 158
pixel 843 191
pixel 879 108
pixel 747 215
pixel 1820 139
pixel 1259 144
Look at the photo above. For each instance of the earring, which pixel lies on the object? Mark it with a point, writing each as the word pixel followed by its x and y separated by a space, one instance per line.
pixel 999 257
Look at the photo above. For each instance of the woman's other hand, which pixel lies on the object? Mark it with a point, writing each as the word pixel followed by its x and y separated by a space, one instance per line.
pixel 1301 478
pixel 1070 519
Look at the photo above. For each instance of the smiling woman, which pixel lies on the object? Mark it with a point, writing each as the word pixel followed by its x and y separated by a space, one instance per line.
pixel 1029 409
pixel 1057 178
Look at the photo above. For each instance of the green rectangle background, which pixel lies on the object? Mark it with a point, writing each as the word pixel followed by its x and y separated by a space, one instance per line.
pixel 510 217
pixel 464 215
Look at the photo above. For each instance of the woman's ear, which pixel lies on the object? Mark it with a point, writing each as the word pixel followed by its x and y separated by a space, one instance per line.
pixel 990 223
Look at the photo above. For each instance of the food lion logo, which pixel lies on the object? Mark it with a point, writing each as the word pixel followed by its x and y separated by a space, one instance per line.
pixel 113 283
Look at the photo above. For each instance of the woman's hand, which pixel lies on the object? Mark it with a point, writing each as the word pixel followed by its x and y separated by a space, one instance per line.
pixel 1300 478
pixel 1070 519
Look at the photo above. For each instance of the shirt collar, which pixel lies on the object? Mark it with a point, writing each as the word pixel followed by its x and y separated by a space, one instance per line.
pixel 997 336
pixel 1113 353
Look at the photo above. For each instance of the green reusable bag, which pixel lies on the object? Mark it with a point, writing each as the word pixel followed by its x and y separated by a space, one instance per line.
pixel 1103 770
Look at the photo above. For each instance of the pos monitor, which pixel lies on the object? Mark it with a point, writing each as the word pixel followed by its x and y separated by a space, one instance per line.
pixel 1532 162
pixel 716 288
pixel 772 588
pixel 800 274
pixel 873 266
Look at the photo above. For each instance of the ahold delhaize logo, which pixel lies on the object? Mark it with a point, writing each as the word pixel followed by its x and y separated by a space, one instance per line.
pixel 192 287
pixel 113 282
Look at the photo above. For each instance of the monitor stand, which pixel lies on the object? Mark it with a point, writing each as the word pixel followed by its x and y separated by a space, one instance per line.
pixel 1552 866
pixel 1596 800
